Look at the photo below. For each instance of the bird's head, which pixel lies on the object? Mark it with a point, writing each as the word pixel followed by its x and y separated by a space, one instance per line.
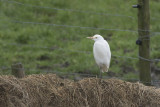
pixel 96 37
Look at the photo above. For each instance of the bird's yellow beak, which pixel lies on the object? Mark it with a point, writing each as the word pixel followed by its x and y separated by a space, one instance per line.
pixel 90 37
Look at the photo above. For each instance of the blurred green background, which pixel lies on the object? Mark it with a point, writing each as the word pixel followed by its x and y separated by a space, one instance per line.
pixel 43 48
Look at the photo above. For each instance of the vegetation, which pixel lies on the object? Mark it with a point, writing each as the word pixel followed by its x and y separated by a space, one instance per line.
pixel 48 47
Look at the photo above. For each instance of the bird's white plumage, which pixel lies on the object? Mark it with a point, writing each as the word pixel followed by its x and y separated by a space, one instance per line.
pixel 102 53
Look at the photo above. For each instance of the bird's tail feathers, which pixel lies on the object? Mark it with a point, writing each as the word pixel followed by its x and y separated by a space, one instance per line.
pixel 104 68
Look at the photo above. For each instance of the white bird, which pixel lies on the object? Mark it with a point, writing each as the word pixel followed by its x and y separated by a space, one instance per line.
pixel 102 53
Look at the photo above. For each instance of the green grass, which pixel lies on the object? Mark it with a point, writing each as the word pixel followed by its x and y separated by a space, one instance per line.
pixel 68 46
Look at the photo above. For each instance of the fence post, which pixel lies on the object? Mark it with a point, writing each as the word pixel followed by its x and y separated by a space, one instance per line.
pixel 144 41
pixel 18 70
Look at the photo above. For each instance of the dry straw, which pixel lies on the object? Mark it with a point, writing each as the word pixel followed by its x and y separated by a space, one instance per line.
pixel 51 91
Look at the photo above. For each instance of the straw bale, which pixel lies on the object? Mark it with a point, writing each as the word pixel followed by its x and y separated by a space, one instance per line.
pixel 51 91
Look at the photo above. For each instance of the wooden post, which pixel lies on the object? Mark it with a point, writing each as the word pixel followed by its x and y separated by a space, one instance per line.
pixel 18 70
pixel 144 46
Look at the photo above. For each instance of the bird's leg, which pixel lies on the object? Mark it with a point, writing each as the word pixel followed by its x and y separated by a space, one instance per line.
pixel 100 74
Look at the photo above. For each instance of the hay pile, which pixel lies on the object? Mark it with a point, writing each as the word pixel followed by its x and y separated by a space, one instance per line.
pixel 51 91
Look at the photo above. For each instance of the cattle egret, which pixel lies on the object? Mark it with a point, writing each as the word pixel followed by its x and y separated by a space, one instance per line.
pixel 102 53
